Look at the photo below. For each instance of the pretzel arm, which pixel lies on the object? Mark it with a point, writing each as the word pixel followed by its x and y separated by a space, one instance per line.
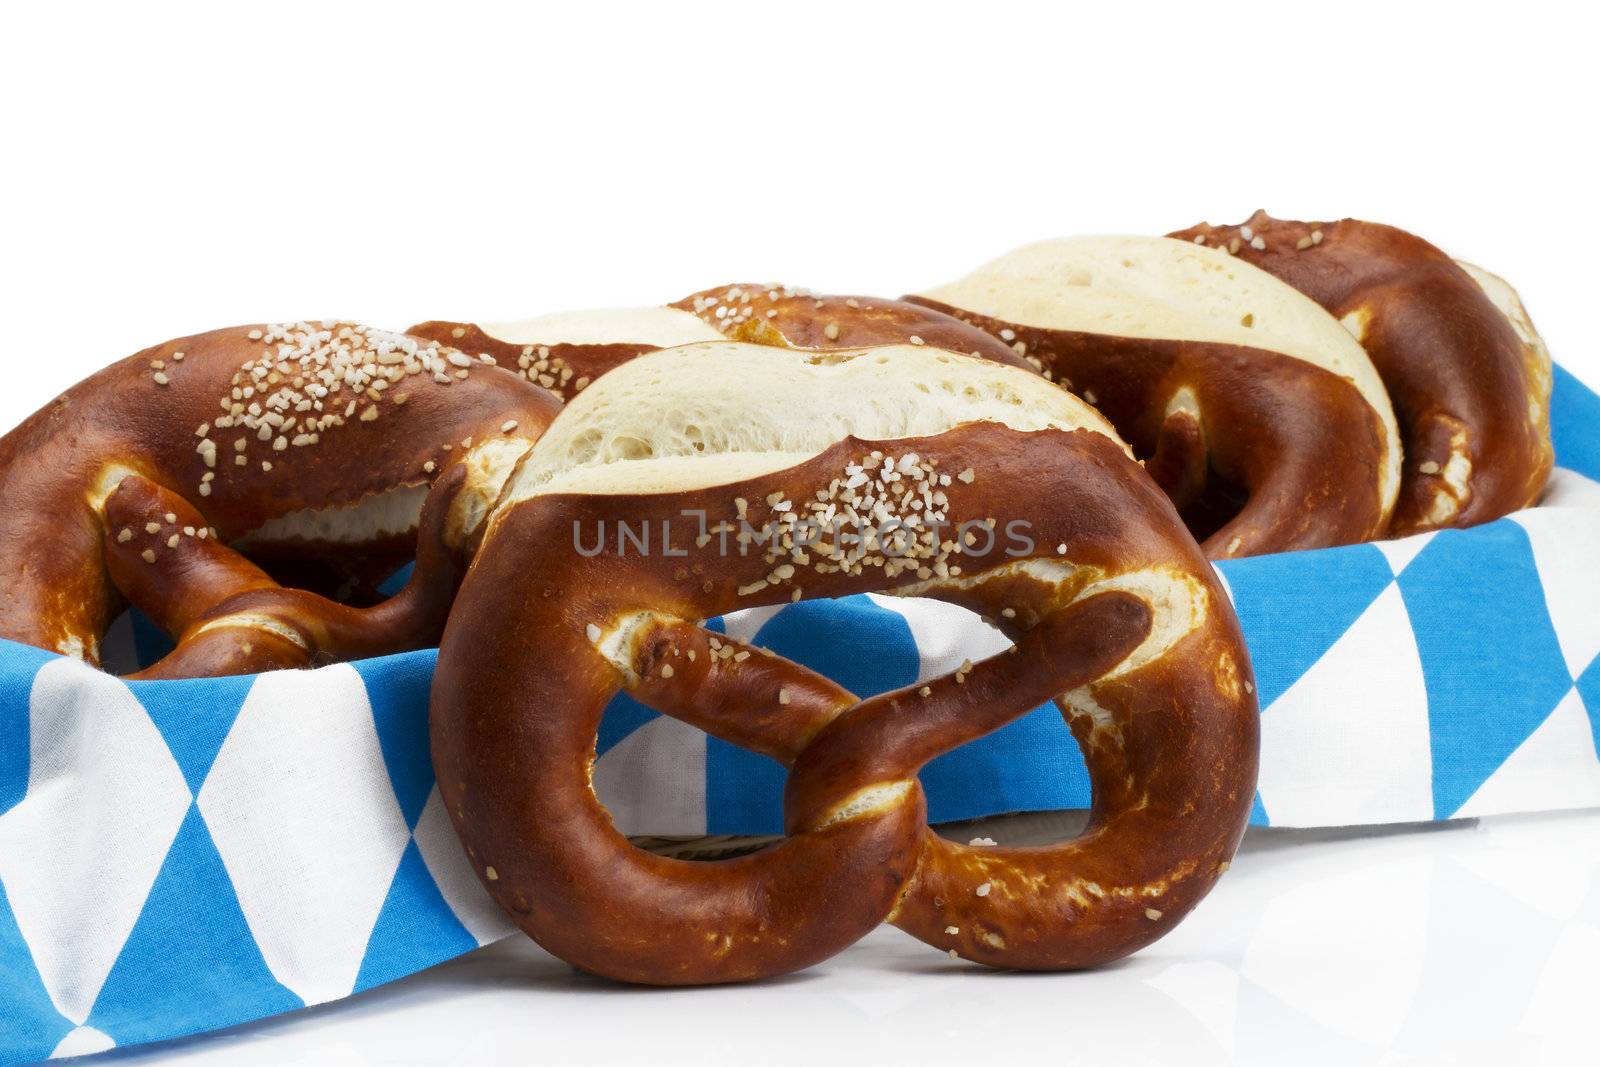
pixel 235 644
pixel 890 737
pixel 165 558
pixel 738 692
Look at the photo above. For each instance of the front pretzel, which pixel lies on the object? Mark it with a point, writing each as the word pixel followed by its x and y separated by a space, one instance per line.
pixel 969 482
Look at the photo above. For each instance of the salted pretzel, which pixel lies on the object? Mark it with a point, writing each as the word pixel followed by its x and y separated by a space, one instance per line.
pixel 566 351
pixel 1262 419
pixel 1468 374
pixel 151 481
pixel 939 476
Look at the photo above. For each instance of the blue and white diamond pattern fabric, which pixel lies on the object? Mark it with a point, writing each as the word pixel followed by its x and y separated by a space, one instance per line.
pixel 1344 733
pixel 80 854
pixel 178 857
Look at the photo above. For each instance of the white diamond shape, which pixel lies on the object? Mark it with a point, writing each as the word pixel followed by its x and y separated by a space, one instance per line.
pixel 945 634
pixel 83 1041
pixel 1401 552
pixel 1348 742
pixel 654 780
pixel 447 863
pixel 1565 542
pixel 300 806
pixel 79 854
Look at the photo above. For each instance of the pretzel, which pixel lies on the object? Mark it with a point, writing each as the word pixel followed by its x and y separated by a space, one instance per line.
pixel 1257 414
pixel 150 481
pixel 566 351
pixel 1468 374
pixel 719 455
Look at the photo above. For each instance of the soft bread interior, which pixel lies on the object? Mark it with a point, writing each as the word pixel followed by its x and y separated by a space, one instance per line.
pixel 1507 302
pixel 711 414
pixel 1165 289
pixel 1536 354
pixel 392 513
pixel 662 327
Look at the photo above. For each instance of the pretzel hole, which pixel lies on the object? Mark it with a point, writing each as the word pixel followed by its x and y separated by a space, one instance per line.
pixel 133 642
pixel 1220 503
pixel 1177 455
pixel 810 635
pixel 349 553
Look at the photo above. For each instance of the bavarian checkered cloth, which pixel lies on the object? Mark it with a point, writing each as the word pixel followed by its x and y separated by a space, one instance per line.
pixel 181 856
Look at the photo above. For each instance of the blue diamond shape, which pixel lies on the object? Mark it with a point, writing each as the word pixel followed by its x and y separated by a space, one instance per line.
pixel 1574 417
pixel 190 964
pixel 415 929
pixel 194 716
pixel 396 581
pixel 1032 764
pixel 1490 659
pixel 623 716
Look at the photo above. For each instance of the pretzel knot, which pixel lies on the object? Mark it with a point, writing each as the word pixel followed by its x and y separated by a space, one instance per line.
pixel 188 478
pixel 1053 535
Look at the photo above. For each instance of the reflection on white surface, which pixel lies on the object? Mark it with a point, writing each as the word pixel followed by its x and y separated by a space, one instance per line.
pixel 1467 943
pixel 1368 971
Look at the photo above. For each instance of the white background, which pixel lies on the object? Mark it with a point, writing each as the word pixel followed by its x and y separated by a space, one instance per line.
pixel 173 168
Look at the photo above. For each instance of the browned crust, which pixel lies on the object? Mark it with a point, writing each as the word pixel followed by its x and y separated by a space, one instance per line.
pixel 563 369
pixel 1460 378
pixel 774 315
pixel 1289 455
pixel 1172 748
pixel 66 460
pixel 756 314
